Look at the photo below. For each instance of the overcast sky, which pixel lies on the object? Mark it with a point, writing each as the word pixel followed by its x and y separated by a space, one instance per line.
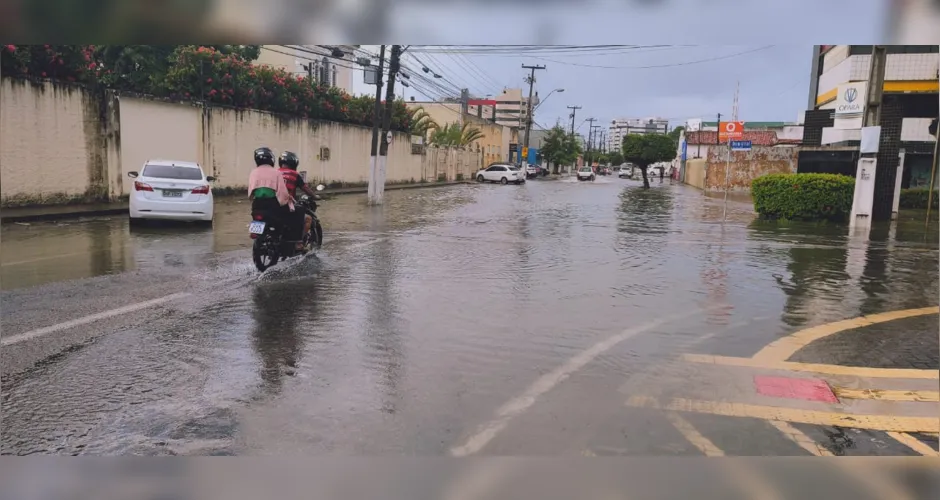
pixel 674 82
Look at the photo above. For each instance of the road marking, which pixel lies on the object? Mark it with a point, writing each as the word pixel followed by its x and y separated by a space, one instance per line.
pixel 783 349
pixel 885 487
pixel 914 444
pixel 516 406
pixel 39 259
pixel 855 371
pixel 801 439
pixel 90 319
pixel 875 422
pixel 694 436
pixel 886 395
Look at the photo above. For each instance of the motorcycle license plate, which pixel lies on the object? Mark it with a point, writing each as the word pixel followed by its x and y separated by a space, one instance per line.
pixel 256 227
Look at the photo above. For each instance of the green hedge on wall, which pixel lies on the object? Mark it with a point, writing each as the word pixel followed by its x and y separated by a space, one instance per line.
pixel 917 198
pixel 803 196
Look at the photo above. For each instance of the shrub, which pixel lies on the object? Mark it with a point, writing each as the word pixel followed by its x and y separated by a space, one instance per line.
pixel 73 63
pixel 195 73
pixel 917 198
pixel 803 196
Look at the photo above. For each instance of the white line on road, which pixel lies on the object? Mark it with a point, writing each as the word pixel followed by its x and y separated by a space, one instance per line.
pixel 90 319
pixel 547 382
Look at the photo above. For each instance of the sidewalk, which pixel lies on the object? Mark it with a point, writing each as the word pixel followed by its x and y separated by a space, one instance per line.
pixel 55 212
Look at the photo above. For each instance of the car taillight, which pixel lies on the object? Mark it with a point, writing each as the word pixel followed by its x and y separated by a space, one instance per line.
pixel 259 217
pixel 201 190
pixel 253 236
pixel 140 186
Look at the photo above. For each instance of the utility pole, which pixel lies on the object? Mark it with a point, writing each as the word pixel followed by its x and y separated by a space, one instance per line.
pixel 590 132
pixel 528 116
pixel 593 139
pixel 373 163
pixel 865 176
pixel 574 109
pixel 464 107
pixel 393 65
pixel 718 130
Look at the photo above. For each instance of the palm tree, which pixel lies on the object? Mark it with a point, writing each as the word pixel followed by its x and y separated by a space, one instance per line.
pixel 453 134
pixel 421 122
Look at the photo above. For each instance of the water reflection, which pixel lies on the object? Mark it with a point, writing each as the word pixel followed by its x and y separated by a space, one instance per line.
pixel 384 353
pixel 277 312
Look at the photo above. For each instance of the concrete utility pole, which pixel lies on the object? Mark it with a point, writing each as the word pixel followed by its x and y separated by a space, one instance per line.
pixel 393 65
pixel 574 109
pixel 864 197
pixel 373 163
pixel 528 117
pixel 590 131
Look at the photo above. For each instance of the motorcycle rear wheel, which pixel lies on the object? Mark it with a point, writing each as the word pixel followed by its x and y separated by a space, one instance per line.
pixel 264 253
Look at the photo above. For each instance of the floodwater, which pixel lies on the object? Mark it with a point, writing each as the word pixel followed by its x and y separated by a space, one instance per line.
pixel 417 320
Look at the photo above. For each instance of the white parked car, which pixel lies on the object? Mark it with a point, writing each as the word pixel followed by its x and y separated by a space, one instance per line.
pixel 171 190
pixel 586 173
pixel 503 173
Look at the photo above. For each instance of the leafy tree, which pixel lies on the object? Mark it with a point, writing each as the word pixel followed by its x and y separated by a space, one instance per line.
pixel 421 122
pixel 674 134
pixel 615 157
pixel 647 149
pixel 454 134
pixel 560 148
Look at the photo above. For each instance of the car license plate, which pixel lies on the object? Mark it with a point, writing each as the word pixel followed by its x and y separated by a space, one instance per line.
pixel 172 194
pixel 256 227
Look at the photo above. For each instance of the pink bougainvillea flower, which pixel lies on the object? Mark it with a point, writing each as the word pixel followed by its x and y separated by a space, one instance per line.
pixel 11 48
pixel 208 80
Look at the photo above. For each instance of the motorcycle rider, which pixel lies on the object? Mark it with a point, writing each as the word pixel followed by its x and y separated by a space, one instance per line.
pixel 266 187
pixel 287 163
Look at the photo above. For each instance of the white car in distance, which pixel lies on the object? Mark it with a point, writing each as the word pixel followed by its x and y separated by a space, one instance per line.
pixel 171 190
pixel 502 173
pixel 586 173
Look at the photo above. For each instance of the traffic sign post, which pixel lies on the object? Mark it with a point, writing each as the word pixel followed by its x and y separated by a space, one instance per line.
pixel 732 133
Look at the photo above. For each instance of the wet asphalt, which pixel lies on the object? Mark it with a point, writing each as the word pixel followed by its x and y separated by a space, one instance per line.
pixel 446 318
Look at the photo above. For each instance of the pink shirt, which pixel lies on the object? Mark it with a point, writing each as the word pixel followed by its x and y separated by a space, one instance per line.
pixel 269 177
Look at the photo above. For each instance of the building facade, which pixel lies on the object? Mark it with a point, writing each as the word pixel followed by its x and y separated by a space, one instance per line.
pixel 623 127
pixel 494 144
pixel 511 108
pixel 313 60
pixel 911 84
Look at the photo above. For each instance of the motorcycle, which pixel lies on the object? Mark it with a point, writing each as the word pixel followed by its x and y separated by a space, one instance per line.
pixel 270 244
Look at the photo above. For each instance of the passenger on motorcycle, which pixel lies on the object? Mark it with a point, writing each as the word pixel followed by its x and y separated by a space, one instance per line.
pixel 266 187
pixel 299 220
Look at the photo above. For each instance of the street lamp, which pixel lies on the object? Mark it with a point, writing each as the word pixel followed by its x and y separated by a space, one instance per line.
pixel 546 98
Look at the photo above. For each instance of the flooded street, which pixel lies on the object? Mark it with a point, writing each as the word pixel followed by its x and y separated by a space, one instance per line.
pixel 479 319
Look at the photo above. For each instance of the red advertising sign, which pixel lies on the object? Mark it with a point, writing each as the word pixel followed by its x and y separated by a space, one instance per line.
pixel 481 102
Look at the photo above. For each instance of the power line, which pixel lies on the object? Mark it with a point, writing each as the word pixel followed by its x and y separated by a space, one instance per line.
pixel 308 51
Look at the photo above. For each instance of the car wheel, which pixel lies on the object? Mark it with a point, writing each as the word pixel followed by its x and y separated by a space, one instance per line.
pixel 504 181
pixel 592 178
pixel 136 221
pixel 480 178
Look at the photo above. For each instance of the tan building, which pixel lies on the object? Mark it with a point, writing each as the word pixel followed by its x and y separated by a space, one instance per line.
pixel 495 141
pixel 313 59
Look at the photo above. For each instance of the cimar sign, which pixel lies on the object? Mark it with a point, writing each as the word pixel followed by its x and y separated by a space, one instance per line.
pixel 851 99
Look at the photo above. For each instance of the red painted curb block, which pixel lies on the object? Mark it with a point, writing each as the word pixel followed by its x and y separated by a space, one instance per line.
pixel 810 389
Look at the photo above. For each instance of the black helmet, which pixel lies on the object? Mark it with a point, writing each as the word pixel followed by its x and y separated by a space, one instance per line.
pixel 288 159
pixel 264 156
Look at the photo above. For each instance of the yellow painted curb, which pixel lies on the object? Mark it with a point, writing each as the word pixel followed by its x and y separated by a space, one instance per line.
pixel 813 417
pixel 853 371
pixel 782 349
pixel 886 395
